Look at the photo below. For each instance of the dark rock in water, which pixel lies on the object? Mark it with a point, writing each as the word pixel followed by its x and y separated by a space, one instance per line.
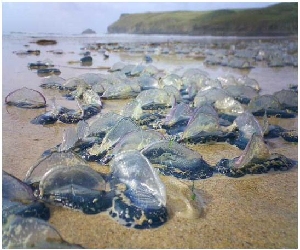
pixel 178 160
pixel 148 59
pixel 33 52
pixel 57 51
pixel 88 31
pixel 26 98
pixel 46 42
pixel 28 52
pixel 48 72
pixel 86 61
pixel 39 65
pixel 140 200
pixel 87 53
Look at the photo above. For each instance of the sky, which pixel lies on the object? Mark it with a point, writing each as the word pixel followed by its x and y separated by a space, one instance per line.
pixel 75 17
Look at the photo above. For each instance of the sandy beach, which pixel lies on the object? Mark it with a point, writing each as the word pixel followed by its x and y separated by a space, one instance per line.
pixel 255 211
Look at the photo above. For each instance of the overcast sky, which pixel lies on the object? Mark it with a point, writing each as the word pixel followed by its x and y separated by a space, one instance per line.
pixel 74 17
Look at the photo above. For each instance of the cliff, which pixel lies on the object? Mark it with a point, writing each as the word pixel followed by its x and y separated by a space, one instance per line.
pixel 278 19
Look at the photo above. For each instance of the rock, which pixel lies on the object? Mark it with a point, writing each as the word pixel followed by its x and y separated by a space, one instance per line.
pixel 88 31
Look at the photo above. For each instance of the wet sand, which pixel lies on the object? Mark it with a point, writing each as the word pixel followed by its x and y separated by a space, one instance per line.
pixel 259 211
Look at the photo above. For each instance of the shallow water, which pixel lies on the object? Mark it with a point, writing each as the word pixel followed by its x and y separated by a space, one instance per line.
pixel 258 211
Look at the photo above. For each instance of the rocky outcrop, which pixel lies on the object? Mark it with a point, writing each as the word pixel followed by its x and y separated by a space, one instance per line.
pixel 88 31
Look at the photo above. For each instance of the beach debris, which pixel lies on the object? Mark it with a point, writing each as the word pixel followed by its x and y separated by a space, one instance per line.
pixel 122 91
pixel 209 96
pixel 133 109
pixel 27 52
pixel 147 82
pixel 18 199
pixel 155 99
pixel 40 65
pixel 52 82
pixel 241 93
pixel 77 187
pixel 65 115
pixel 140 200
pixel 118 66
pixel 26 98
pixel 137 140
pixel 19 232
pixel 102 123
pixel 177 160
pixel 48 72
pixel 290 135
pixel 288 99
pixel 86 61
pixel 269 104
pixel 255 159
pixel 228 106
pixel 112 137
pixel 177 119
pixel 92 78
pixel 204 126
pixel 49 160
pixel 172 80
pixel 147 59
